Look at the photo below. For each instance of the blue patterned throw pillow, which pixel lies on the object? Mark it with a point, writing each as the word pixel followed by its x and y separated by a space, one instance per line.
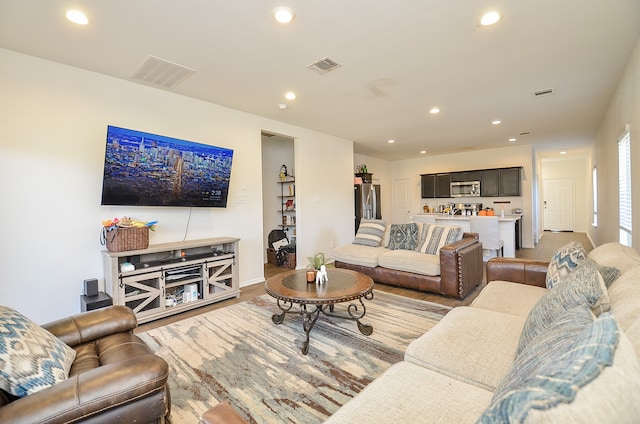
pixel 31 358
pixel 558 379
pixel 403 236
pixel 565 260
pixel 583 287
pixel 370 232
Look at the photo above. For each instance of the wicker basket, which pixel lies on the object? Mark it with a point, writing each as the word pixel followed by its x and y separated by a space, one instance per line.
pixel 122 239
pixel 290 261
pixel 271 257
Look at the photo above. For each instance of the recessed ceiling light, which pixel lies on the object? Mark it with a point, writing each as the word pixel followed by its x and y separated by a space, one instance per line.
pixel 422 152
pixel 290 95
pixel 563 151
pixel 77 17
pixel 391 141
pixel 490 18
pixel 512 139
pixel 434 110
pixel 496 122
pixel 282 106
pixel 284 15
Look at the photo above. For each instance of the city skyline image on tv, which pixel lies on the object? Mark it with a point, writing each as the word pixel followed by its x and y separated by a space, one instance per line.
pixel 143 169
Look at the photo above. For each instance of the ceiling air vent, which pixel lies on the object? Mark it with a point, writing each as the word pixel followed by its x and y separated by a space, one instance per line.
pixel 544 92
pixel 324 65
pixel 161 72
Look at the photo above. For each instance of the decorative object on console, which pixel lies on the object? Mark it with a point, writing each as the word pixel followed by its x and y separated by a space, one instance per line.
pixel 120 235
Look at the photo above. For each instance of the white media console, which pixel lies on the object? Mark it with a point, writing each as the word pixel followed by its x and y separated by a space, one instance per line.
pixel 170 278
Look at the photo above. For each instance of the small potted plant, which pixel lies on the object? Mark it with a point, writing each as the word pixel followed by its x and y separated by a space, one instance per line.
pixel 315 262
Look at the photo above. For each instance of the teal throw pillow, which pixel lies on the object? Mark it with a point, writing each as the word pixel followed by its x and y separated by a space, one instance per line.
pixel 609 274
pixel 31 358
pixel 563 330
pixel 564 372
pixel 583 287
pixel 565 260
pixel 403 236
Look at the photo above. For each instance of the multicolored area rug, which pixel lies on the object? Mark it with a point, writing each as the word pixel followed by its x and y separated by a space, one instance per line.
pixel 237 354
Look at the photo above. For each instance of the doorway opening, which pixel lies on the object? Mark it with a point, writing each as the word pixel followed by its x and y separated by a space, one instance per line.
pixel 278 194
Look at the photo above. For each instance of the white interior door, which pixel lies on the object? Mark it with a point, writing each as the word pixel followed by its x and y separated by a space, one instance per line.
pixel 401 201
pixel 558 204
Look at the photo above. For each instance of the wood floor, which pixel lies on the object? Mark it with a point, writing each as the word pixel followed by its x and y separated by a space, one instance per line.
pixel 544 250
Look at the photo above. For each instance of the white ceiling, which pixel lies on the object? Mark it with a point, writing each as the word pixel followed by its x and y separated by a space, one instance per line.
pixel 399 58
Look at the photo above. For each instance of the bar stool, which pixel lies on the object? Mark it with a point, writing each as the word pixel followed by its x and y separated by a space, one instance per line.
pixel 488 229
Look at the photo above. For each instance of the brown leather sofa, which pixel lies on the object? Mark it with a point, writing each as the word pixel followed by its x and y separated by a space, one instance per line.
pixel 114 379
pixel 461 270
pixel 530 272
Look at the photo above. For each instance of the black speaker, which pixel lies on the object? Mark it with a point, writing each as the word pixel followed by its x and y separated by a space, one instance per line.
pixel 91 287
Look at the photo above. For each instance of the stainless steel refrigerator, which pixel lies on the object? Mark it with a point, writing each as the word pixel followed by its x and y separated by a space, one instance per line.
pixel 367 198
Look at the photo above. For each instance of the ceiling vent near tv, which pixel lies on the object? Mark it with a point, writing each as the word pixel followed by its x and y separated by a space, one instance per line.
pixel 161 72
pixel 324 65
pixel 545 92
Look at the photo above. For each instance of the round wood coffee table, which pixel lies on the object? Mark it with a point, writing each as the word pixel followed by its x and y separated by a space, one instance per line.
pixel 291 287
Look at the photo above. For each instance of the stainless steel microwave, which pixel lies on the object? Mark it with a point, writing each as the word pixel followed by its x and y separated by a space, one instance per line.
pixel 465 189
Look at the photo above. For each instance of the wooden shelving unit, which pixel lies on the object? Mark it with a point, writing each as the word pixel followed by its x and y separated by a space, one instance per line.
pixel 170 278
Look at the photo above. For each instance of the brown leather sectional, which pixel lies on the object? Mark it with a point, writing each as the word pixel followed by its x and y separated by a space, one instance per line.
pixel 461 270
pixel 114 379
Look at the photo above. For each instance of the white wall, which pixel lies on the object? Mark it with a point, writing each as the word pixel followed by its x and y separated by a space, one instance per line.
pixel 624 109
pixel 52 143
pixel 521 155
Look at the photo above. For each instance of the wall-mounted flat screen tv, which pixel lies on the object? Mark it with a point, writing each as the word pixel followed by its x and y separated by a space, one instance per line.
pixel 142 169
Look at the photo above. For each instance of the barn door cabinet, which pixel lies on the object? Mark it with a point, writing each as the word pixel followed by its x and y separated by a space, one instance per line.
pixel 173 277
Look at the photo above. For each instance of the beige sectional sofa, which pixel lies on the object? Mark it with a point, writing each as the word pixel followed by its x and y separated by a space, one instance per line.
pixel 499 361
pixel 453 268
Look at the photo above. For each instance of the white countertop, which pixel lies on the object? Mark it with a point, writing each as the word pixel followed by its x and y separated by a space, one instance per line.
pixel 443 216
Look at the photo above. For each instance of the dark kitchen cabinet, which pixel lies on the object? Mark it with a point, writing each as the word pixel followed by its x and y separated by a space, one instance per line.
pixel 503 182
pixel 428 186
pixel 435 185
pixel 510 182
pixel 490 183
pixel 461 177
pixel 457 177
pixel 498 182
pixel 443 185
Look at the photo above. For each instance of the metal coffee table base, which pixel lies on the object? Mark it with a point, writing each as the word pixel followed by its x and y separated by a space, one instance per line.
pixel 309 318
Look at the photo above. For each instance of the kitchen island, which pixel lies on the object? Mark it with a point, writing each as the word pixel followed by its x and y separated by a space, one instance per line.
pixel 507 227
